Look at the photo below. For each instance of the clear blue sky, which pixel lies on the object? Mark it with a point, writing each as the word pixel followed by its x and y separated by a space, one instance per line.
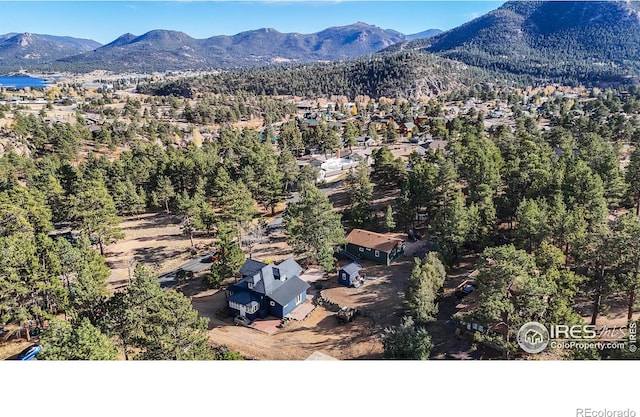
pixel 104 21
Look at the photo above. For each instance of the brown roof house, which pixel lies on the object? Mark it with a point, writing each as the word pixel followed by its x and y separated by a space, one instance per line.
pixel 374 246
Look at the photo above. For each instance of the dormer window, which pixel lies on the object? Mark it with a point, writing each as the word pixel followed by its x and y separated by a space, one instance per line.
pixel 250 283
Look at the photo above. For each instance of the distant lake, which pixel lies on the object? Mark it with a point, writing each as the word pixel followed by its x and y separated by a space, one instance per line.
pixel 22 81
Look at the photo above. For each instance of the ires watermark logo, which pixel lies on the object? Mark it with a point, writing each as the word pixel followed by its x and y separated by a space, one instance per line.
pixel 534 337
pixel 632 336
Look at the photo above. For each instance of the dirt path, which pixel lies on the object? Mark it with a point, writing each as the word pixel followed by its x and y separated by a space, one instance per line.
pixel 318 332
pixel 446 344
pixel 156 241
pixel 153 240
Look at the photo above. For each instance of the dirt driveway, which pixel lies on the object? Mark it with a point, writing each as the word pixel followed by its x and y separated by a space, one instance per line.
pixel 156 241
pixel 153 240
pixel 320 331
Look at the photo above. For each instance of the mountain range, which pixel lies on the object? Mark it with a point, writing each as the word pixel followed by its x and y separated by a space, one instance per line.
pixel 563 41
pixel 587 40
pixel 28 49
pixel 160 50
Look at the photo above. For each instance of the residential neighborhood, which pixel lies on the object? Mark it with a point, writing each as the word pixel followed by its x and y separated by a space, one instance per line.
pixel 315 210
pixel 372 206
pixel 277 288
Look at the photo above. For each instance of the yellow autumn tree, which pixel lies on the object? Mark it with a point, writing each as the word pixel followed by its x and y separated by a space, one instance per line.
pixel 197 137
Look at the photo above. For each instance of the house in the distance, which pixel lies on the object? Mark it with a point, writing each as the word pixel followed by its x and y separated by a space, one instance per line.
pixel 374 246
pixel 267 289
pixel 365 141
pixel 407 129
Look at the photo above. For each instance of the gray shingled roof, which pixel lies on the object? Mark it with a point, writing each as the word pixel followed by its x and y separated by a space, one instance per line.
pixel 282 292
pixel 266 282
pixel 290 267
pixel 288 291
pixel 352 269
pixel 250 267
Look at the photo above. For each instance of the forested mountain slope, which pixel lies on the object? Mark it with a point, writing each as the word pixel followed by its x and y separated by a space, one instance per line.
pixel 565 40
pixel 404 74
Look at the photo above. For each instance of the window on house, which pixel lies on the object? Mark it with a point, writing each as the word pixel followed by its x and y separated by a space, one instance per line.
pixel 361 249
pixel 368 249
pixel 250 285
pixel 272 303
pixel 299 299
pixel 377 253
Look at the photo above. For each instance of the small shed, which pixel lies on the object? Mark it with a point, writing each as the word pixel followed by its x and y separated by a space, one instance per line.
pixel 349 275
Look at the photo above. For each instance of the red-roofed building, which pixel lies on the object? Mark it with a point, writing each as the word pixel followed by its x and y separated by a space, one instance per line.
pixel 374 246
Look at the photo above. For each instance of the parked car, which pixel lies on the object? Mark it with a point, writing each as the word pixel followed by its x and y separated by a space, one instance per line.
pixel 29 353
pixel 465 288
pixel 212 257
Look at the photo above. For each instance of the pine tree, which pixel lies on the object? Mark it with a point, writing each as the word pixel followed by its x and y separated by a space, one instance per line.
pixel 287 165
pixel 633 177
pixel 451 227
pixel 626 248
pixel 511 292
pixel 532 223
pixel 360 192
pixel 93 211
pixel 157 324
pixel 228 257
pixel 373 134
pixel 63 341
pixel 313 226
pixel 204 217
pixel 237 204
pixel 22 280
pixel 290 138
pixel 422 291
pixel 173 330
pixel 406 341
pixel 164 192
pixel 387 170
pixel 389 222
pixel 584 188
pixel 406 207
pixel 88 288
pixel 349 135
pixel 390 133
